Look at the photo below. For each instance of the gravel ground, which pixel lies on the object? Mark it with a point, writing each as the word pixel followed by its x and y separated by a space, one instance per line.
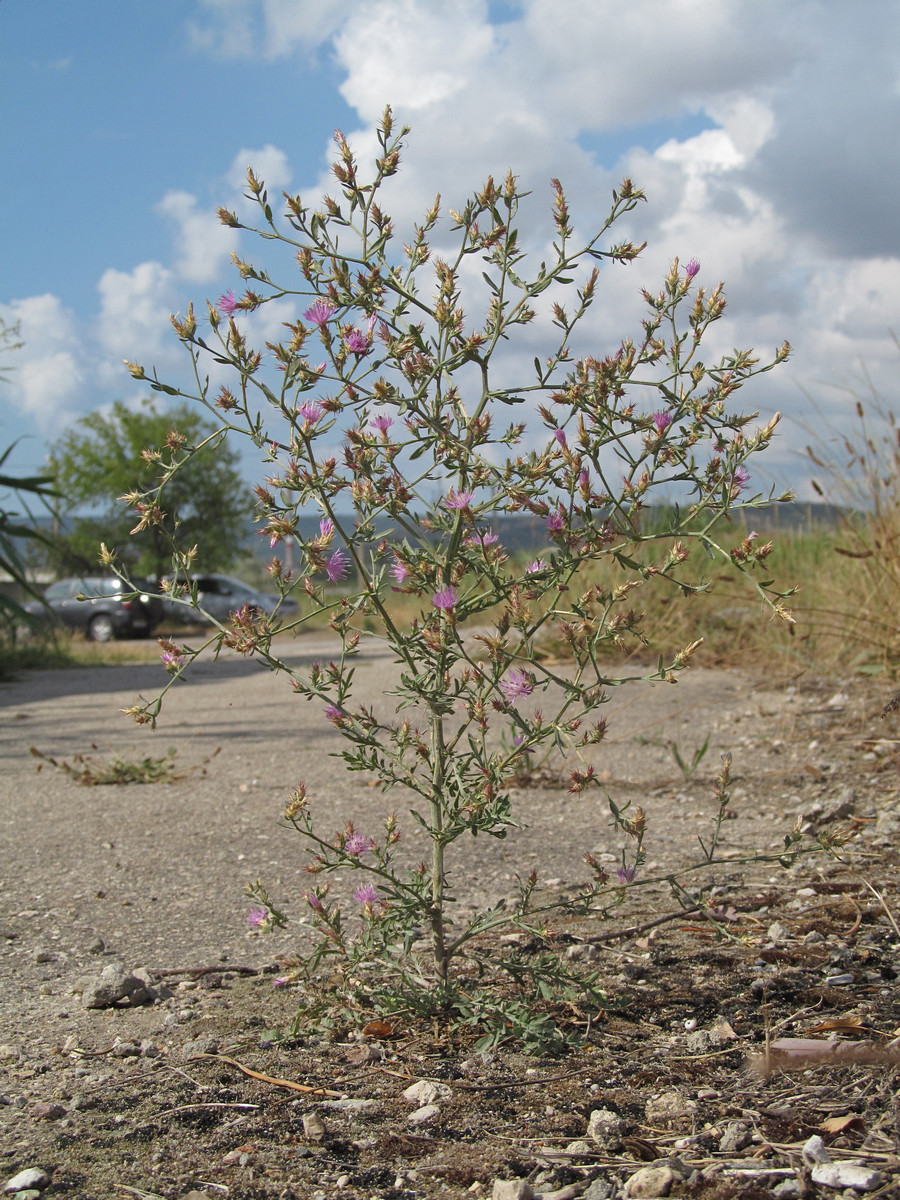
pixel 153 876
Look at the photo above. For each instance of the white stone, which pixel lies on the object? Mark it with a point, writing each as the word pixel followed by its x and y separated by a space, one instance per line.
pixel 512 1189
pixel 426 1091
pixel 424 1115
pixel 847 1175
pixel 605 1127
pixel 650 1181
pixel 33 1177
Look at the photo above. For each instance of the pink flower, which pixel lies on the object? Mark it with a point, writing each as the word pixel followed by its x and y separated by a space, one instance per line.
pixel 227 303
pixel 358 343
pixel 382 423
pixel 626 874
pixel 366 893
pixel 518 739
pixel 447 597
pixel 171 659
pixel 739 480
pixel 482 537
pixel 280 981
pixel 357 843
pixel 516 684
pixel 310 411
pixel 662 421
pixel 399 570
pixel 560 435
pixel 326 527
pixel 691 267
pixel 319 313
pixel 534 567
pixel 337 566
pixel 313 901
pixel 459 499
pixel 556 522
pixel 334 714
pixel 257 916
pixel 584 479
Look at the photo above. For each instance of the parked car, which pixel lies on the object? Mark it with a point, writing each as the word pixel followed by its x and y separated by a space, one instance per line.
pixel 220 595
pixel 102 606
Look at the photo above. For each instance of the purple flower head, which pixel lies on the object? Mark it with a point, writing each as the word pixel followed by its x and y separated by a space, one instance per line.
pixel 310 411
pixel 662 420
pixel 534 567
pixel 357 843
pixel 516 684
pixel 257 917
pixel 227 303
pixel 382 422
pixel 399 570
pixel 319 313
pixel 280 981
pixel 691 267
pixel 739 480
pixel 334 714
pixel 459 499
pixel 626 874
pixel 584 479
pixel 518 739
pixel 171 659
pixel 482 537
pixel 313 901
pixel 358 343
pixel 560 435
pixel 337 566
pixel 326 527
pixel 366 893
pixel 447 597
pixel 556 522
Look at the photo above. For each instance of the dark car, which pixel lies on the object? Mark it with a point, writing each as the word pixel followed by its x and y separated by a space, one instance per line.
pixel 220 595
pixel 104 607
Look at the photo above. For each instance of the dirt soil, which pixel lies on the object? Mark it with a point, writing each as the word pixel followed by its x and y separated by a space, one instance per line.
pixel 195 1095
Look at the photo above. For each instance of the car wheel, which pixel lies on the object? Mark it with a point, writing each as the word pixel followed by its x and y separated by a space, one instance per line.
pixel 101 628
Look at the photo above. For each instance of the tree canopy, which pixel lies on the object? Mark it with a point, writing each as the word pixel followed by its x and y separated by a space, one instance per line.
pixel 112 453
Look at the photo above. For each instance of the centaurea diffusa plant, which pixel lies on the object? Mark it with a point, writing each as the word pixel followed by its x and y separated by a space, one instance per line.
pixel 407 446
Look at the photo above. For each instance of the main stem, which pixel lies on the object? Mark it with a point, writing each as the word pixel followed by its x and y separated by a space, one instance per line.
pixel 438 753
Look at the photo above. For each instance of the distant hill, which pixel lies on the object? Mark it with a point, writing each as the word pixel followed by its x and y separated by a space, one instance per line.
pixel 525 533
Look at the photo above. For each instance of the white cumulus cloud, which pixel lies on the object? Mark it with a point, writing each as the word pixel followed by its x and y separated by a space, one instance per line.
pixel 202 242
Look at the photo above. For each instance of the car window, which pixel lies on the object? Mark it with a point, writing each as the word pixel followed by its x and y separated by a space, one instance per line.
pixel 240 589
pixel 97 587
pixel 60 591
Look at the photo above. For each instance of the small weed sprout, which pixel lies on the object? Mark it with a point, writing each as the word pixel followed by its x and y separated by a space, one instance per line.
pixel 93 772
pixel 386 407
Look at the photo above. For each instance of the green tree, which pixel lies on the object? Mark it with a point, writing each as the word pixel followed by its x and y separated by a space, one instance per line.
pixel 124 451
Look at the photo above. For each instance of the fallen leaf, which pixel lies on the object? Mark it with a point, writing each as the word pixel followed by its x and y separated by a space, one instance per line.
pixel 839 1124
pixel 378 1029
pixel 851 1022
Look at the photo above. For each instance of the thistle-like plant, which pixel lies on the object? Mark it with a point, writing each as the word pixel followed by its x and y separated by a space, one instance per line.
pixel 386 408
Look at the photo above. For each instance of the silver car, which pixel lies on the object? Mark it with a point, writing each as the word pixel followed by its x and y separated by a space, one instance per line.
pixel 220 595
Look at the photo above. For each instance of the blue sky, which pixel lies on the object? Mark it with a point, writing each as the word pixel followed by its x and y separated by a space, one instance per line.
pixel 767 137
